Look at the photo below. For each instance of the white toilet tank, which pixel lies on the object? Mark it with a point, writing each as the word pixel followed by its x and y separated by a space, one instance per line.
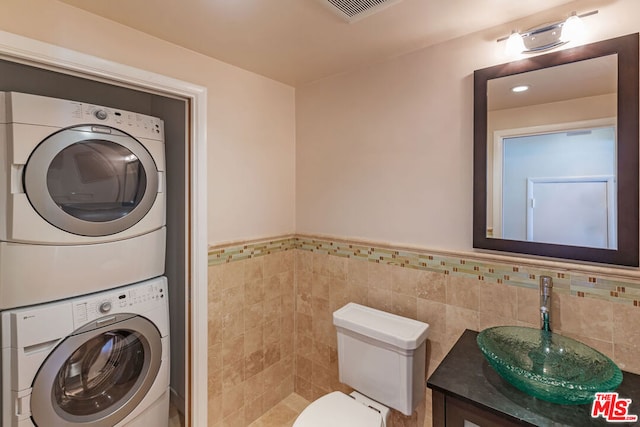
pixel 382 355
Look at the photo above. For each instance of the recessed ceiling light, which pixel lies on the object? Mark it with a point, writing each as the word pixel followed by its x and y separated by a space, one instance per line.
pixel 520 88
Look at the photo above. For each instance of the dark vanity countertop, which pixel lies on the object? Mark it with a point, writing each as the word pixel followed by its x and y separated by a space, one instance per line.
pixel 465 374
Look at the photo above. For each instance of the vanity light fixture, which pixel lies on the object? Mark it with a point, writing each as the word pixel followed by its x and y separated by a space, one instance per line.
pixel 573 28
pixel 546 36
pixel 515 44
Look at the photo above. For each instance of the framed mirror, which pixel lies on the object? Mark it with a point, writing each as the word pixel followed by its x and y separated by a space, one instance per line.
pixel 556 154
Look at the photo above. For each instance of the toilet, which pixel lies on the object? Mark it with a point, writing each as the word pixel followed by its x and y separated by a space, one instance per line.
pixel 382 357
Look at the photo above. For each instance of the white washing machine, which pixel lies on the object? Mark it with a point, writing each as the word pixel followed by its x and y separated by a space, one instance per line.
pixel 96 361
pixel 82 203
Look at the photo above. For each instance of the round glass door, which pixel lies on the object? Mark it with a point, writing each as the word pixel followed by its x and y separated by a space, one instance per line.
pixel 91 180
pixel 99 373
pixel 97 377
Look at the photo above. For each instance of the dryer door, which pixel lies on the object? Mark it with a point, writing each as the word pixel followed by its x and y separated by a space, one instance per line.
pixel 91 180
pixel 97 376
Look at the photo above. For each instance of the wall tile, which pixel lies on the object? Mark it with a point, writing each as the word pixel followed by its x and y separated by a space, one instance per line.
pixel 253 340
pixel 214 409
pixel 232 349
pixel 254 363
pixel 232 299
pixel 357 293
pixel 405 281
pixel 458 319
pixel 498 299
pixel 232 324
pixel 626 325
pixel 433 313
pixel 304 261
pixel 272 302
pixel 463 292
pixel 596 318
pixel 432 286
pixel 626 356
pixel 253 315
pixel 528 305
pixel 232 400
pixel 233 275
pixel 404 305
pixel 277 263
pixel 254 292
pixel 251 327
pixel 379 276
pixel 380 299
pixel 253 269
pixel 254 387
pixel 338 294
pixel 215 278
pixel 321 285
pixel 272 332
pixel 357 272
pixel 304 324
pixel 215 321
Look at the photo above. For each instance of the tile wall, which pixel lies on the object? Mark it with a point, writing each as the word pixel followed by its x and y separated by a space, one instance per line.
pixel 451 293
pixel 251 337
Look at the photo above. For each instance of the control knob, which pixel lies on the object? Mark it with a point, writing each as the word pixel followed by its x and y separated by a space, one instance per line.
pixel 105 307
pixel 100 114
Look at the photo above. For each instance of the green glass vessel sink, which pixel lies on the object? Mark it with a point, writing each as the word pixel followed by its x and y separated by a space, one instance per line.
pixel 547 365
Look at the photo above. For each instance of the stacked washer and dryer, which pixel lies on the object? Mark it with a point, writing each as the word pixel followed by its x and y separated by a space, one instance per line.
pixel 84 321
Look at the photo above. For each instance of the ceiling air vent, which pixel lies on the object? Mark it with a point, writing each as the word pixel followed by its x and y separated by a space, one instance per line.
pixel 353 10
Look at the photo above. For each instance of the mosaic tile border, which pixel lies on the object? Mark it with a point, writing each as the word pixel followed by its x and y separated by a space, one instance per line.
pixel 237 252
pixel 581 284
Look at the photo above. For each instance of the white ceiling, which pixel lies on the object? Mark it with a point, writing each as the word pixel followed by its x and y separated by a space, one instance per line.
pixel 299 41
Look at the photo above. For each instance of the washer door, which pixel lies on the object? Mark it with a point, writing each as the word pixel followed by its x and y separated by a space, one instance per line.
pixel 99 376
pixel 91 180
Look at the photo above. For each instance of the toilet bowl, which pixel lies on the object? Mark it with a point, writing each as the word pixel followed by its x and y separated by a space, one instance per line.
pixel 380 355
pixel 337 409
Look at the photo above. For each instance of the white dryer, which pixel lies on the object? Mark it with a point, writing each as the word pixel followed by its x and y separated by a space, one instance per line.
pixel 96 361
pixel 82 203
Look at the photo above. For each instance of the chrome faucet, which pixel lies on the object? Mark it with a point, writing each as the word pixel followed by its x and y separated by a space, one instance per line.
pixel 546 284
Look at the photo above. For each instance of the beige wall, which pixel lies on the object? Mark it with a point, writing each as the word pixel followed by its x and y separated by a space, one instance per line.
pixel 251 119
pixel 385 153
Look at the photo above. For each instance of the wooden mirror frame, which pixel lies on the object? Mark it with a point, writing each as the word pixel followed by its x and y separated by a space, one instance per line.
pixel 626 48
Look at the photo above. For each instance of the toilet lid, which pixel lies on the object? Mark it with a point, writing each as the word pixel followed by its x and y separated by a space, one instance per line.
pixel 338 410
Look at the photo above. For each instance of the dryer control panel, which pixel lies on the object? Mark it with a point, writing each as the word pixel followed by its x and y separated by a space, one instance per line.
pixel 46 111
pixel 137 299
pixel 134 123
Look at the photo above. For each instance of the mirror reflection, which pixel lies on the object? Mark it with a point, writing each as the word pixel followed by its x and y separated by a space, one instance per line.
pixel 551 154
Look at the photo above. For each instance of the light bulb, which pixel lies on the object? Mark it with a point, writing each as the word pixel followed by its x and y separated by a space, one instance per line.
pixel 515 44
pixel 572 29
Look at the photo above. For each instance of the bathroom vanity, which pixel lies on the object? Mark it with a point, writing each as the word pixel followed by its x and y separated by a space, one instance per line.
pixel 468 392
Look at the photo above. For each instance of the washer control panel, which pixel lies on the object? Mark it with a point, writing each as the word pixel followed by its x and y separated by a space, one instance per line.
pixel 136 299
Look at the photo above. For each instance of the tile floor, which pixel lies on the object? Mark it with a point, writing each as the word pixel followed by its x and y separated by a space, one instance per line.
pixel 281 415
